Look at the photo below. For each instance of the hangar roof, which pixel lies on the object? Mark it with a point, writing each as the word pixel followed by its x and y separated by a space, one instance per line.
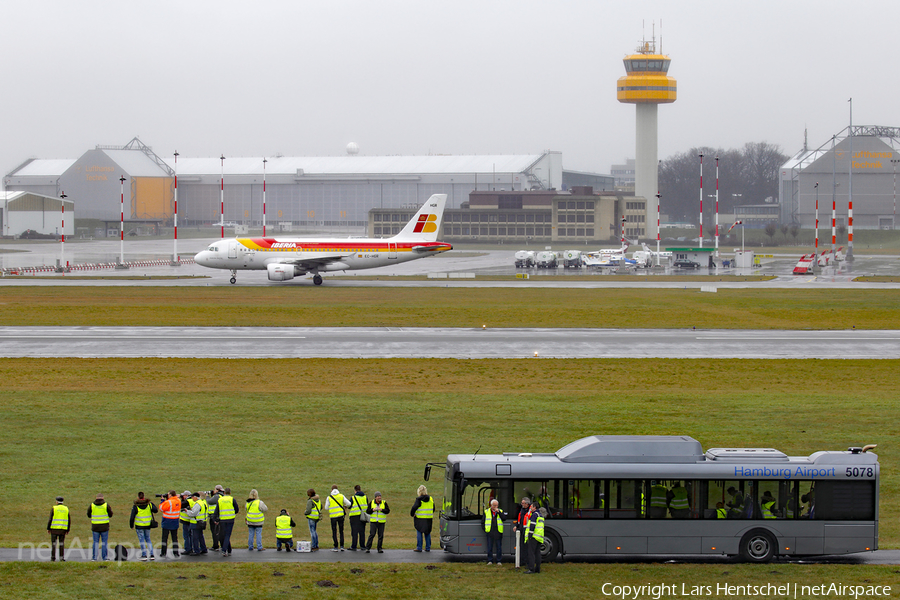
pixel 135 163
pixel 348 165
pixel 45 167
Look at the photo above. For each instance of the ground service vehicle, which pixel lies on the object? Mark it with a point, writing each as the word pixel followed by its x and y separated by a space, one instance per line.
pixel 524 259
pixel 663 495
pixel 546 260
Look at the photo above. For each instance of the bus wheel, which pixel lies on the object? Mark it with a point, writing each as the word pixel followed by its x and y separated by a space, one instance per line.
pixel 551 547
pixel 758 546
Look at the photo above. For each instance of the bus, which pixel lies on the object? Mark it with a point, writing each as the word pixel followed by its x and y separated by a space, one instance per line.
pixel 663 495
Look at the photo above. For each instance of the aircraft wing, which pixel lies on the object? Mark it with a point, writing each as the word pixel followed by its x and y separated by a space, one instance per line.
pixel 309 261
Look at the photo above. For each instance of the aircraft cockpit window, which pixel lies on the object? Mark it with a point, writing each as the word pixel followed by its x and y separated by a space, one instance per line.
pixel 213 249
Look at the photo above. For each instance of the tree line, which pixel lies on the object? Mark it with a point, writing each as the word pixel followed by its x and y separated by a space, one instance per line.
pixel 746 176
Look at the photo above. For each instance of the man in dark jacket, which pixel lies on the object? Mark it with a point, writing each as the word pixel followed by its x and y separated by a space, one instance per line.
pixel 58 526
pixel 423 513
pixel 99 512
pixel 141 518
pixel 492 522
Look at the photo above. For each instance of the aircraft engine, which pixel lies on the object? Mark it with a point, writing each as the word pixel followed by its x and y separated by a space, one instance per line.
pixel 280 272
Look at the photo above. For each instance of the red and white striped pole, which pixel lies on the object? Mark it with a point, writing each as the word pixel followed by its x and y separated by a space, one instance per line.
pixel 717 206
pixel 833 225
pixel 264 196
pixel 62 230
pixel 222 197
pixel 657 229
pixel 701 200
pixel 817 221
pixel 175 218
pixel 122 222
pixel 623 231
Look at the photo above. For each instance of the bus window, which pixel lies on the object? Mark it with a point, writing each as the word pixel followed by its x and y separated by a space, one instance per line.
pixel 476 497
pixel 807 500
pixel 769 500
pixel 586 499
pixel 679 500
pixel 544 494
pixel 626 499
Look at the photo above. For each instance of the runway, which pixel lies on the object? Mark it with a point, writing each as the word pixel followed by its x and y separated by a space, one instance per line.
pixel 422 342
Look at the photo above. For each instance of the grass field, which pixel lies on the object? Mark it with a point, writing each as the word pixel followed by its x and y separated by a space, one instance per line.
pixel 450 307
pixel 117 426
pixel 423 582
pixel 77 426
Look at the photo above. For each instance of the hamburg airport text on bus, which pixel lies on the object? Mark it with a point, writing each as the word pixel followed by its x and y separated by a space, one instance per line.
pixel 625 495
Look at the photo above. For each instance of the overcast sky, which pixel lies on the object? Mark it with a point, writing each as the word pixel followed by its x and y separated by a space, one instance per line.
pixel 263 77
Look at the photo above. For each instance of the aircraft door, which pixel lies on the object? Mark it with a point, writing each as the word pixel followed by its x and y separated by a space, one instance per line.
pixel 392 250
pixel 232 249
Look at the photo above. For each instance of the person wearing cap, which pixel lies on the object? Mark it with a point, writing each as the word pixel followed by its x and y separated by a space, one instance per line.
pixel 284 532
pixel 521 521
pixel 141 517
pixel 171 509
pixel 211 508
pixel 58 526
pixel 199 515
pixel 256 518
pixel 422 512
pixel 225 513
pixel 99 513
pixel 377 511
pixel 187 503
pixel 336 507
pixel 313 515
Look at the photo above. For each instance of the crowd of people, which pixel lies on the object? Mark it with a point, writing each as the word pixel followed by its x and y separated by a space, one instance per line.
pixel 193 513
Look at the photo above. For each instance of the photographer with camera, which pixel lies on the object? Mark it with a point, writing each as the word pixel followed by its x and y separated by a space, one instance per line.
pixel 171 510
pixel 199 515
pixel 211 503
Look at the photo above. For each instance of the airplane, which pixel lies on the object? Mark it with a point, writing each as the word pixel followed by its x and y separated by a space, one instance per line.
pixel 286 258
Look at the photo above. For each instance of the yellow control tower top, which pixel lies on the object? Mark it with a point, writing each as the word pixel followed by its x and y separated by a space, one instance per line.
pixel 646 81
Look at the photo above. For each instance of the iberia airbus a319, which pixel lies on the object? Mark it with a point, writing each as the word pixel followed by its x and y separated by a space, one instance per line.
pixel 286 258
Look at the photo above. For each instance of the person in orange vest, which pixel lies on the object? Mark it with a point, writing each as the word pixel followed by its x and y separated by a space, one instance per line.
pixel 171 511
pixel 99 513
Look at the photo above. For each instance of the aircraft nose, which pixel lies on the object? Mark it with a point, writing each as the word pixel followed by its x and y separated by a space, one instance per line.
pixel 200 258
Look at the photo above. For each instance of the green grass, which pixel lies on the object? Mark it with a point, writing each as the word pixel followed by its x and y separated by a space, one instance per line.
pixel 450 307
pixel 76 427
pixel 48 581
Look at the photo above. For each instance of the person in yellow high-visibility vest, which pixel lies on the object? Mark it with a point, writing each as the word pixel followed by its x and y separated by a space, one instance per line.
pixel 99 512
pixel 492 521
pixel 423 518
pixel 256 518
pixel 336 506
pixel 284 532
pixel 377 511
pixel 58 526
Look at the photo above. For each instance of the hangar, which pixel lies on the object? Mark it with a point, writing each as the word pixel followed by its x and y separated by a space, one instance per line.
pixel 870 153
pixel 27 211
pixel 301 193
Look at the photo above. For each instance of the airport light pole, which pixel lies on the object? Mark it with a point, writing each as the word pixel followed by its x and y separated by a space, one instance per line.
pixel 175 260
pixel 894 162
pixel 264 196
pixel 62 230
pixel 122 221
pixel 222 196
pixel 701 200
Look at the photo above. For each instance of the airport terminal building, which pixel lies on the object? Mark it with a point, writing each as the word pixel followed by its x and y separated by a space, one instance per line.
pixel 872 154
pixel 302 194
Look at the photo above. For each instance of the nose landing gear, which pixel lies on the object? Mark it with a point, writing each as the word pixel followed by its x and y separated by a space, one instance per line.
pixel 233 276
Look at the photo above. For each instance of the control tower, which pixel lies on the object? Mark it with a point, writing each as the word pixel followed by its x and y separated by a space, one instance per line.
pixel 647 85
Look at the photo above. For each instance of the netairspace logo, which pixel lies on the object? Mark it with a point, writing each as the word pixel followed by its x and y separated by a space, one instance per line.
pixel 726 590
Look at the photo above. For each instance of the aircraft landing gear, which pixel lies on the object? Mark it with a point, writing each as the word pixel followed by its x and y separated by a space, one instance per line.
pixel 233 277
pixel 317 279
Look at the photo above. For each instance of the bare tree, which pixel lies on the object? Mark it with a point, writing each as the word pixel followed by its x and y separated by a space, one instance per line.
pixel 771 229
pixel 784 228
pixel 795 231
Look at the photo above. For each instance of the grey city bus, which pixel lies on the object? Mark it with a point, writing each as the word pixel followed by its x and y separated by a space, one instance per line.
pixel 645 495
